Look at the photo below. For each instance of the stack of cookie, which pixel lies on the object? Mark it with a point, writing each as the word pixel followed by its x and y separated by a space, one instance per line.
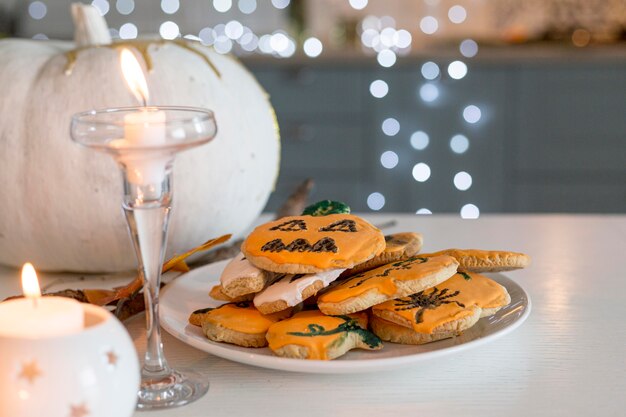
pixel 348 277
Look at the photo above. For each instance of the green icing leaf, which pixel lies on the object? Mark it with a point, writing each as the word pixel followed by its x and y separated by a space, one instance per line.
pixel 326 207
pixel 349 326
pixel 203 310
pixel 337 343
pixel 316 329
pixel 465 275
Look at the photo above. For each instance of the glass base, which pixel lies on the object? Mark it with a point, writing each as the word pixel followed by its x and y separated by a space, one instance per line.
pixel 173 390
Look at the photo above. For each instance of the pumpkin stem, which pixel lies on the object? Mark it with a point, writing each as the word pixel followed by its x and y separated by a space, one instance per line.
pixel 90 28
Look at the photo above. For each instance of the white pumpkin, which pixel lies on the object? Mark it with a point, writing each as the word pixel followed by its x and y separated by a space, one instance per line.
pixel 61 204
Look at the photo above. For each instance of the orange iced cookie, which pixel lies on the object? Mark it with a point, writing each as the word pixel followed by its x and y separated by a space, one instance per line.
pixel 308 244
pixel 439 312
pixel 394 280
pixel 313 335
pixel 478 260
pixel 398 247
pixel 237 323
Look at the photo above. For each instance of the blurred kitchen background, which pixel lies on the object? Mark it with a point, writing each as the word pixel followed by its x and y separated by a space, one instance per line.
pixel 442 106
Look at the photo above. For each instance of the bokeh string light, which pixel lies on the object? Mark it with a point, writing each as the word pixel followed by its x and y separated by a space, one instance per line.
pixel 421 172
pixel 169 30
pixel 419 140
pixel 429 92
pixel 379 88
pixel 389 159
pixel 128 31
pixel 312 47
pixel 376 201
pixel 459 144
pixel 125 7
pixel 102 5
pixel 222 6
pixel 379 34
pixel 37 10
pixel 247 6
pixel 170 6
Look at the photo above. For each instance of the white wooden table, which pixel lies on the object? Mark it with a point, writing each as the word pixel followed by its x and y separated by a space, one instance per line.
pixel 568 359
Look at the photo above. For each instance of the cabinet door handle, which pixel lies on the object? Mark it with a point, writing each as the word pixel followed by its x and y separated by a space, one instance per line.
pixel 300 133
pixel 301 76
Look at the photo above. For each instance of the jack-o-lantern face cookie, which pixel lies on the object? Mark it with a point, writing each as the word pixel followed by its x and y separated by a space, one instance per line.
pixel 313 335
pixel 478 260
pixel 398 247
pixel 440 312
pixel 308 244
pixel 394 280
pixel 237 323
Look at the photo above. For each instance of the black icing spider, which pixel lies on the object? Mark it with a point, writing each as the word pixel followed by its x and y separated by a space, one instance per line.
pixel 424 301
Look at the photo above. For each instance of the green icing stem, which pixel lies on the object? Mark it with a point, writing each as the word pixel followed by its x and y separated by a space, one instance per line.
pixel 326 207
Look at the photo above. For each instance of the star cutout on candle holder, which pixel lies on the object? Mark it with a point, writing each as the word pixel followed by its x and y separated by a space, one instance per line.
pixel 79 410
pixel 30 371
pixel 112 358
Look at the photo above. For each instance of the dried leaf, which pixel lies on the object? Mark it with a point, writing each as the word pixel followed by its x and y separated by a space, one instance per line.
pixel 104 297
pixel 99 297
pixel 181 267
pixel 224 252
pixel 205 246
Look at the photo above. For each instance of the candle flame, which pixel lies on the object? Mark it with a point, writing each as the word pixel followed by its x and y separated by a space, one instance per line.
pixel 133 74
pixel 30 283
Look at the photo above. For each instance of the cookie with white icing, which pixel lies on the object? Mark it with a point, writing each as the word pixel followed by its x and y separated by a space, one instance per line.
pixel 313 335
pixel 394 280
pixel 240 277
pixel 217 294
pixel 440 312
pixel 288 290
pixel 478 260
pixel 237 323
pixel 398 247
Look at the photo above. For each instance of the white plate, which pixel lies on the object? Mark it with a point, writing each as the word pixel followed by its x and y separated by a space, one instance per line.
pixel 189 292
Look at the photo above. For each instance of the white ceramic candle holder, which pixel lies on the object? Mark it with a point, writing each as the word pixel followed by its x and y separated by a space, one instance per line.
pixel 92 373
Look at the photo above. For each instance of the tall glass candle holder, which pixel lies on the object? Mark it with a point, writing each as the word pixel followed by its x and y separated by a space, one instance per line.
pixel 144 142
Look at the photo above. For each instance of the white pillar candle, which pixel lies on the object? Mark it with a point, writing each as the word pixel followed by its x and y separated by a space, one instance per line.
pixel 145 128
pixel 51 316
pixel 36 317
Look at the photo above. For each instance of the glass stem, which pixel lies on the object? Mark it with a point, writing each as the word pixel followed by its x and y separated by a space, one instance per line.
pixel 149 227
pixel 147 210
pixel 154 362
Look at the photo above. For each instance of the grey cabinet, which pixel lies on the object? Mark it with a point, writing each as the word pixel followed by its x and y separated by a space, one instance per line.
pixel 551 138
pixel 440 120
pixel 570 139
pixel 320 112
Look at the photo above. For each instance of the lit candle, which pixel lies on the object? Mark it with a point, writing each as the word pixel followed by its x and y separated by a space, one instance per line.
pixel 35 316
pixel 144 128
